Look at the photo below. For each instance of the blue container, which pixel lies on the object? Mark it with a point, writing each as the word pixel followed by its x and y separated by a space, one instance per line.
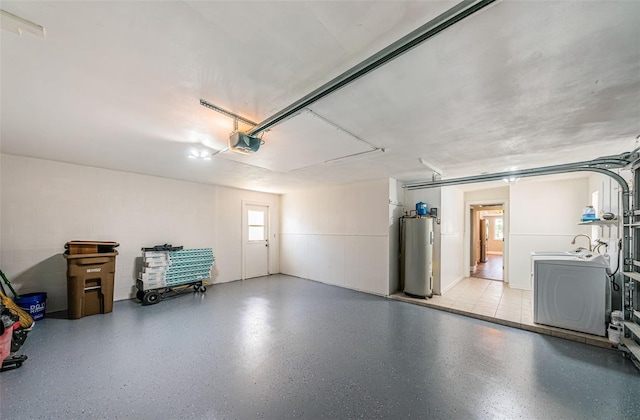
pixel 33 304
pixel 589 214
pixel 421 209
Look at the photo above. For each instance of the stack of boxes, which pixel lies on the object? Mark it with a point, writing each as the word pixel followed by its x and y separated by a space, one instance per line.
pixel 173 268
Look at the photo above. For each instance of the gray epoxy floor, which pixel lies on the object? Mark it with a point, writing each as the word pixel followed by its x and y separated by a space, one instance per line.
pixel 283 347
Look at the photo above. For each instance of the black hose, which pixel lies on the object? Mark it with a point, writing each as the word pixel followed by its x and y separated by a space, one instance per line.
pixel 614 285
pixel 612 276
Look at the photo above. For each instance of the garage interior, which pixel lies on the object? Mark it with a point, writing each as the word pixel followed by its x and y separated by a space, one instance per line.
pixel 116 125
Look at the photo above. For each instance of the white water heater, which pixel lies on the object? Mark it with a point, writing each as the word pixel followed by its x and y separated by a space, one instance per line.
pixel 416 252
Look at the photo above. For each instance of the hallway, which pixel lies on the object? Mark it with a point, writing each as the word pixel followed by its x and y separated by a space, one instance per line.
pixel 491 270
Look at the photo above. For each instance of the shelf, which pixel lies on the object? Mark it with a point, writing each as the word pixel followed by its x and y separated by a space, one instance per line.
pixel 600 223
pixel 636 314
pixel 633 347
pixel 635 276
pixel 633 327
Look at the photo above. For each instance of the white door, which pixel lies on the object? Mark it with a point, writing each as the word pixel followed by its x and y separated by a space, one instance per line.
pixel 256 242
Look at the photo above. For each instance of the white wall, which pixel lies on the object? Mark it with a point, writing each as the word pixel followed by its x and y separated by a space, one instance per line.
pixel 338 235
pixel 46 204
pixel 499 194
pixel 544 216
pixel 452 259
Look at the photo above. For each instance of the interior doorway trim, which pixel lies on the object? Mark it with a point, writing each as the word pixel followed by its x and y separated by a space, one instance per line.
pixel 467 234
pixel 244 234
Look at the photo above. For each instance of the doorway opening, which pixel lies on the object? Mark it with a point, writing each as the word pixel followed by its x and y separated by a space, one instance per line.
pixel 486 244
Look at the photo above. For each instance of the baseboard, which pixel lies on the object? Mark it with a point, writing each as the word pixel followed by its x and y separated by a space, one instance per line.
pixel 458 280
pixel 369 292
pixel 520 287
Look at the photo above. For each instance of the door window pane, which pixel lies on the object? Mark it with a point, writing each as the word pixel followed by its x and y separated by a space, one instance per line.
pixel 255 218
pixel 256 233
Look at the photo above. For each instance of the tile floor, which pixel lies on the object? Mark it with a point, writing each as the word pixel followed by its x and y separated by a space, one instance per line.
pixel 496 302
pixel 489 298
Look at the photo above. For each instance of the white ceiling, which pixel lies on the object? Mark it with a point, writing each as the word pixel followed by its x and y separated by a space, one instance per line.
pixel 117 85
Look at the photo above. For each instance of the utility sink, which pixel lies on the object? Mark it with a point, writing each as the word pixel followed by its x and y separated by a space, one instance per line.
pixel 577 253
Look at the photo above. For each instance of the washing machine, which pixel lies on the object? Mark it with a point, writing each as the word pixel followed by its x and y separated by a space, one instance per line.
pixel 572 293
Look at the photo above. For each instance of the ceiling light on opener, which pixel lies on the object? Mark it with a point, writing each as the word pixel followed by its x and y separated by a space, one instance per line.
pixel 199 154
pixel 511 180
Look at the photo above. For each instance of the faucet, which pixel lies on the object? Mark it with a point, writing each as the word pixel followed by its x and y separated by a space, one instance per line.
pixel 600 243
pixel 573 242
